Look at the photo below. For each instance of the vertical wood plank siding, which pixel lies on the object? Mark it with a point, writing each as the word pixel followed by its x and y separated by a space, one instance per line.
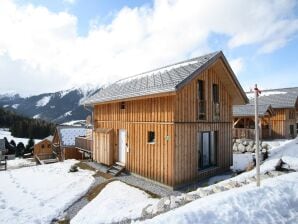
pixel 281 123
pixel 154 161
pixel 173 159
pixel 187 127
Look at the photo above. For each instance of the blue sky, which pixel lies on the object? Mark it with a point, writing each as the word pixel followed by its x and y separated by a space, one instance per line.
pixel 59 44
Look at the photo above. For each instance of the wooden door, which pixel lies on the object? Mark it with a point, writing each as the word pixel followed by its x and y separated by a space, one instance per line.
pixel 122 145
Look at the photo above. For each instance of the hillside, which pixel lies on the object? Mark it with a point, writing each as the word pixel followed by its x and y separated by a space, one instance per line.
pixel 24 127
pixel 57 107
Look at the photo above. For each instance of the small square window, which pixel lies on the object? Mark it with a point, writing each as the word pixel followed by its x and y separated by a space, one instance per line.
pixel 49 146
pixel 42 146
pixel 151 137
pixel 122 105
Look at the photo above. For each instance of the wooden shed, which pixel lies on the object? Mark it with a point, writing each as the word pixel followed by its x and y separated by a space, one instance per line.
pixel 172 125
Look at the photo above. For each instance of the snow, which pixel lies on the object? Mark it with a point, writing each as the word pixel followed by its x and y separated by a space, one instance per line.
pixel 19 162
pixel 75 123
pixel 43 101
pixel 6 133
pixel 41 193
pixel 36 116
pixel 265 93
pixel 68 113
pixel 68 135
pixel 248 204
pixel 6 105
pixel 161 70
pixel 15 106
pixel 116 202
pixel 65 92
pixel 241 161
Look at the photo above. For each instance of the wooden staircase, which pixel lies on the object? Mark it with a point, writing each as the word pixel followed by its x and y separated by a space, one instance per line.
pixel 116 169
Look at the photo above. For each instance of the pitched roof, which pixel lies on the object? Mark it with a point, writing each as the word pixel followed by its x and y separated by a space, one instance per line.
pixel 278 98
pixel 67 134
pixel 162 80
pixel 2 144
pixel 248 110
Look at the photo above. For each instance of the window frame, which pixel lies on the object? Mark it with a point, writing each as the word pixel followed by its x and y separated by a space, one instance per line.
pixel 201 101
pixel 151 138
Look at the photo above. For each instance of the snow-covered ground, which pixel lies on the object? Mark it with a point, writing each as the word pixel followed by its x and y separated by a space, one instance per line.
pixel 4 132
pixel 116 202
pixel 41 193
pixel 19 163
pixel 276 201
pixel 241 161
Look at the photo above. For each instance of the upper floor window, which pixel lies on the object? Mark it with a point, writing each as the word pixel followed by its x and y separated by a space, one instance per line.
pixel 122 105
pixel 201 100
pixel 215 99
pixel 151 137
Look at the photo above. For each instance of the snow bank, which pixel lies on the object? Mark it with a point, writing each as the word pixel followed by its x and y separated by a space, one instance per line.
pixel 40 193
pixel 116 202
pixel 276 201
pixel 241 161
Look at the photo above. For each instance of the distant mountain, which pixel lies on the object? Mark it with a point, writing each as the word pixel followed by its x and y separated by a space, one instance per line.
pixel 59 107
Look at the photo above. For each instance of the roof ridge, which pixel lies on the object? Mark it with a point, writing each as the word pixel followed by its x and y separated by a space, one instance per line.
pixel 163 67
pixel 264 90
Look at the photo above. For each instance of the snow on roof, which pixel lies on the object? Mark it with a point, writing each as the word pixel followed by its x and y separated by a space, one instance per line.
pixel 43 101
pixel 267 93
pixel 68 135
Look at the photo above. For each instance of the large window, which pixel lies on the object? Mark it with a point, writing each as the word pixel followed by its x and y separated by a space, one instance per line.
pixel 292 131
pixel 201 101
pixel 215 99
pixel 207 149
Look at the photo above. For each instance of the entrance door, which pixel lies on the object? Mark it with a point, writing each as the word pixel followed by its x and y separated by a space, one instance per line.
pixel 122 145
pixel 207 149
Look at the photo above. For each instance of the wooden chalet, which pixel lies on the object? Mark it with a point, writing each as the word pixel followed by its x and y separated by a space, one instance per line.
pixel 44 147
pixel 172 125
pixel 277 121
pixel 244 121
pixel 64 142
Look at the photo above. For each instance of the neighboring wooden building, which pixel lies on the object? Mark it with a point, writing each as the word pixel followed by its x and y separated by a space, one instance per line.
pixel 244 121
pixel 44 147
pixel 284 102
pixel 173 124
pixel 64 142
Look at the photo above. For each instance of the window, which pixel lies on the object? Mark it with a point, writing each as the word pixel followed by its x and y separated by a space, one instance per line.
pixel 292 130
pixel 122 105
pixel 201 101
pixel 291 114
pixel 42 146
pixel 49 145
pixel 151 137
pixel 207 149
pixel 215 98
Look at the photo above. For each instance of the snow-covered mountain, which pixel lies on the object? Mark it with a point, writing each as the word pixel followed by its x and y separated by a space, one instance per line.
pixel 58 107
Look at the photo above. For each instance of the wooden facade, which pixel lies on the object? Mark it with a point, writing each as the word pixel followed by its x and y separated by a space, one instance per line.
pixel 65 152
pixel 284 123
pixel 163 133
pixel 44 147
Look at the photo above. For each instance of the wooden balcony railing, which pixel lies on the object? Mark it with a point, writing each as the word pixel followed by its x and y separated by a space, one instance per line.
pixel 84 144
pixel 244 133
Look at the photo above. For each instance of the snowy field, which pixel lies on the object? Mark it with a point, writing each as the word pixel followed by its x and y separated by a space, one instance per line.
pixel 116 202
pixel 4 132
pixel 41 193
pixel 19 163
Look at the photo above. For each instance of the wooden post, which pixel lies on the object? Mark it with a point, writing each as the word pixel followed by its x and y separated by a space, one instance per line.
pixel 257 136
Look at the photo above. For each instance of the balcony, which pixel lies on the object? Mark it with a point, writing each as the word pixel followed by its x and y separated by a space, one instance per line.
pixel 84 144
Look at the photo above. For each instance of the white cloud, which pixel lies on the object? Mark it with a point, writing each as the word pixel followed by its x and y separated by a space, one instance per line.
pixel 236 64
pixel 45 47
pixel 70 1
